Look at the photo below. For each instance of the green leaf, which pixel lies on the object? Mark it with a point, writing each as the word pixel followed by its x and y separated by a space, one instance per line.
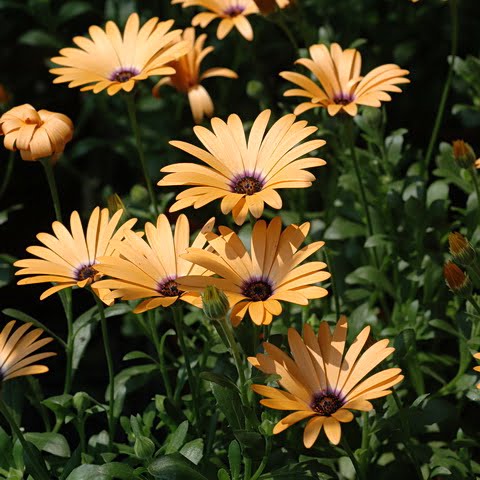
pixel 370 275
pixel 222 474
pixel 108 471
pixel 438 190
pixel 39 38
pixel 341 228
pixel 6 269
pixel 221 380
pixel 229 403
pixel 53 443
pixel 71 10
pixel 234 459
pixel 177 438
pixel 193 450
pixel 174 467
pixel 135 355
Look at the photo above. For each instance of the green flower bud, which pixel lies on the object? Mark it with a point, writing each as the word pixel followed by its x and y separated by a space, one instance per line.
pixel 461 249
pixel 457 281
pixel 114 203
pixel 144 447
pixel 215 303
pixel 463 154
pixel 139 194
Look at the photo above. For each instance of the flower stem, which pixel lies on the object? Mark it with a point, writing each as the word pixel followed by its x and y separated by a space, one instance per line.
pixel 178 320
pixel 473 173
pixel 111 376
pixel 66 298
pixel 158 347
pixel 47 166
pixel 334 283
pixel 349 452
pixel 38 471
pixel 446 88
pixel 266 456
pixel 405 429
pixel 8 173
pixel 132 114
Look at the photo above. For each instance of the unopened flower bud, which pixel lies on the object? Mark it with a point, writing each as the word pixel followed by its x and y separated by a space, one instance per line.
pixel 461 249
pixel 457 281
pixel 463 154
pixel 215 303
pixel 143 447
pixel 139 194
pixel 114 203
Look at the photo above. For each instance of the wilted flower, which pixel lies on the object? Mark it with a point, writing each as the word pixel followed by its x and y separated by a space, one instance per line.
pixel 68 258
pixel 149 268
pixel 110 61
pixel 5 95
pixel 35 134
pixel 16 350
pixel 187 78
pixel 256 282
pixel 322 382
pixel 461 249
pixel 245 174
pixel 233 13
pixel 340 86
pixel 457 280
pixel 268 6
pixel 463 154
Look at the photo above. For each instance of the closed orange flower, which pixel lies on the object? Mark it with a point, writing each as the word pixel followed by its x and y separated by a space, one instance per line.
pixel 187 77
pixel 36 134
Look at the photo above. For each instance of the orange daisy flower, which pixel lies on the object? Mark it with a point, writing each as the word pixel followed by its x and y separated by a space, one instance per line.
pixel 258 281
pixel 149 268
pixel 16 350
pixel 68 257
pixel 110 61
pixel 245 175
pixel 35 134
pixel 341 88
pixel 187 78
pixel 233 13
pixel 322 383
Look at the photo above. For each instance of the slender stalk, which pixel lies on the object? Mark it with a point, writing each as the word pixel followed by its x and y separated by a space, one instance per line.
pixel 334 283
pixel 111 375
pixel 405 430
pixel 8 174
pixel 178 319
pixel 66 298
pixel 446 87
pixel 161 361
pixel 39 471
pixel 282 24
pixel 263 464
pixel 473 174
pixel 132 114
pixel 47 166
pixel 349 452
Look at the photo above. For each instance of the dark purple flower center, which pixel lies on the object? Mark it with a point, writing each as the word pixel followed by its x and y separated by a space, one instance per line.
pixel 86 272
pixel 326 403
pixel 257 290
pixel 234 10
pixel 123 74
pixel 343 99
pixel 248 184
pixel 168 288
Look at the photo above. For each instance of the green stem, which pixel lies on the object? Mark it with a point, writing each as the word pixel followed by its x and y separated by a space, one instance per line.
pixel 349 452
pixel 132 114
pixel 406 436
pixel 66 298
pixel 111 375
pixel 161 360
pixel 8 173
pixel 178 319
pixel 47 166
pixel 39 471
pixel 266 456
pixel 446 88
pixel 334 283
pixel 473 173
pixel 365 431
pixel 280 21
